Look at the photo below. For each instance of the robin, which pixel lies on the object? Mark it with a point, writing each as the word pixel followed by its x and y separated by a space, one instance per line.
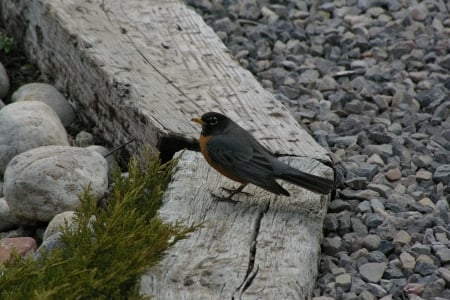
pixel 236 154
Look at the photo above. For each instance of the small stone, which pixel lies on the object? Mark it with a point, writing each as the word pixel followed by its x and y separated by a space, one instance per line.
pixel 84 139
pixel 433 289
pixel 357 183
pixel 443 255
pixel 442 174
pixel 366 295
pixel 345 140
pixel 407 260
pixel 402 237
pixel 422 161
pixel 401 48
pixel 331 246
pixel 381 189
pixel 359 195
pixel 343 281
pixel 358 227
pixel 393 174
pixel 354 107
pixel 427 202
pixel 393 271
pixel 423 175
pixel 337 271
pixel 387 247
pixel 376 290
pixel 376 160
pixel 338 205
pixel 384 150
pixel 441 211
pixel 366 170
pixel 425 265
pixel 372 272
pixel 364 207
pixel 22 245
pixel 53 242
pixel 350 296
pixel 224 25
pixel 444 273
pixel 371 242
pixel 58 222
pixel 330 223
pixel 421 249
pixel 377 257
pixel 309 77
pixel 428 237
pixel 358 285
pixel 419 12
pixel 345 225
pixel 414 289
pixel 373 220
pixel 380 138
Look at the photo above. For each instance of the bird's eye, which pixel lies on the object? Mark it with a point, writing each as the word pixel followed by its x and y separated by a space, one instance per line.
pixel 213 121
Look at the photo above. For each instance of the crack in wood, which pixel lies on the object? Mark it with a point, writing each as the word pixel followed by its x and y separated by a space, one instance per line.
pixel 251 270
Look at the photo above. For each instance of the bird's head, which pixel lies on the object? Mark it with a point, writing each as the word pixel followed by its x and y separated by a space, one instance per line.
pixel 212 123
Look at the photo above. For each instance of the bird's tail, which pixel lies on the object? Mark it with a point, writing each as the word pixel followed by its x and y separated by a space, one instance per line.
pixel 310 182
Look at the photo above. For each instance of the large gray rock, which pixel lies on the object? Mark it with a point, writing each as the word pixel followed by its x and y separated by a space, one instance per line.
pixel 49 95
pixel 27 125
pixel 45 181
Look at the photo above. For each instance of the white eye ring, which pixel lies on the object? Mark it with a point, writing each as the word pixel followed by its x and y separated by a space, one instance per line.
pixel 213 121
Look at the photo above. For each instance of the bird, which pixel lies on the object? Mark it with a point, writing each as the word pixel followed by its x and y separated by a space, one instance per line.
pixel 236 154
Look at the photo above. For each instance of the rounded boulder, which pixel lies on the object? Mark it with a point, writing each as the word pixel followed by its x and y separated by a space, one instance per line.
pixel 49 95
pixel 45 181
pixel 27 125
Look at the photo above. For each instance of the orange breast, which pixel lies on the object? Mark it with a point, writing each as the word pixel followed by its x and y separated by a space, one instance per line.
pixel 203 140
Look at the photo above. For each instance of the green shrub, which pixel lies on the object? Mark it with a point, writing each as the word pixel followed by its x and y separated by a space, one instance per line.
pixel 6 43
pixel 107 255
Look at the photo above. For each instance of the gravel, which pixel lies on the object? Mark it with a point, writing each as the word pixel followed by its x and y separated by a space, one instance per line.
pixel 370 81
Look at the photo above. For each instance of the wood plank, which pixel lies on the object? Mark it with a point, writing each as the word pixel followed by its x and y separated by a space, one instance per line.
pixel 213 262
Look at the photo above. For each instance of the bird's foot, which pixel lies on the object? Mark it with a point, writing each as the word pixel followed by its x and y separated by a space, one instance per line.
pixel 231 193
pixel 235 191
pixel 225 199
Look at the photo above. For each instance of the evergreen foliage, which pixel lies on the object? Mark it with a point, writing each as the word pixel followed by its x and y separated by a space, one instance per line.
pixel 112 247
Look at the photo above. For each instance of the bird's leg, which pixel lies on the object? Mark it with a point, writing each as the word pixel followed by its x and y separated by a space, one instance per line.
pixel 236 191
pixel 231 194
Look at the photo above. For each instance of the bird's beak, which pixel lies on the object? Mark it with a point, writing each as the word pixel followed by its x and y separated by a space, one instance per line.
pixel 198 120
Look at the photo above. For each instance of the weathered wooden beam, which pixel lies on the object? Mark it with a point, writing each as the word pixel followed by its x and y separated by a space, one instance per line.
pixel 272 243
pixel 142 69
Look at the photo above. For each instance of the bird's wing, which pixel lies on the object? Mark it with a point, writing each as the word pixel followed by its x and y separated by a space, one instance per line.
pixel 242 157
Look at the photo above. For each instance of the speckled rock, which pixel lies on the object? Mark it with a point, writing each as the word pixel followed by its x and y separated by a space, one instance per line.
pixel 45 181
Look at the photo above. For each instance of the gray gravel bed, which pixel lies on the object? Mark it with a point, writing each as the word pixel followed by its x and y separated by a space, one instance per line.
pixel 370 81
